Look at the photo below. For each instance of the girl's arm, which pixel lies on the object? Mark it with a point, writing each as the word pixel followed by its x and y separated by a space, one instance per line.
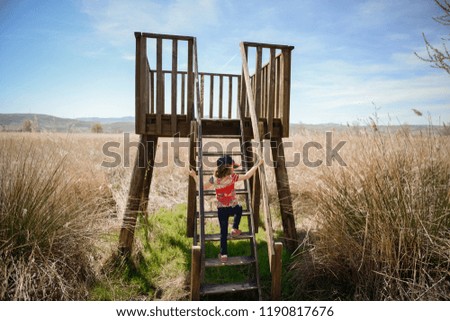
pixel 206 185
pixel 251 172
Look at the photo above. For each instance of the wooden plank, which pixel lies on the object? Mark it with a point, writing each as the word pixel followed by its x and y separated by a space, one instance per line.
pixel 183 98
pixel 151 145
pixel 232 261
pixel 174 84
pixel 211 97
pixel 168 37
pixel 220 96
pixel 264 93
pixel 126 236
pixel 227 288
pixel 141 86
pixel 238 101
pixel 195 272
pixel 267 45
pixel 286 92
pixel 159 86
pixel 190 84
pixel 152 92
pixel 275 269
pixel 192 188
pixel 257 85
pixel 271 93
pixel 230 96
pixel 202 96
pixel 277 88
pixel 284 194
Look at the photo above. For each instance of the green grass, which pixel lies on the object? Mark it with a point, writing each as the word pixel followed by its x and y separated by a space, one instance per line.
pixel 160 268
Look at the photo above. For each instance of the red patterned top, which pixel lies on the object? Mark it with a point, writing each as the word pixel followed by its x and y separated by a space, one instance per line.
pixel 225 193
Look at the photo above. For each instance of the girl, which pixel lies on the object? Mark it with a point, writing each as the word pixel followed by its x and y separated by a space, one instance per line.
pixel 223 181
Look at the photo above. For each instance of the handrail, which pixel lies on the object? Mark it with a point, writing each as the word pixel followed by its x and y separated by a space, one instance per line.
pixel 200 160
pixel 262 173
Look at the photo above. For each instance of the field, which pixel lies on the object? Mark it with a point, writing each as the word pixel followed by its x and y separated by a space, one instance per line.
pixel 373 220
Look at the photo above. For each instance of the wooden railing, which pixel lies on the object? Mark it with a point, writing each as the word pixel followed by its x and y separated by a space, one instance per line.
pixel 270 84
pixel 166 87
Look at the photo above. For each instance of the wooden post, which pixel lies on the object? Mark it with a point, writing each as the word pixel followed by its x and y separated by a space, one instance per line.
pixel 151 144
pixel 275 269
pixel 141 85
pixel 192 188
pixel 284 194
pixel 258 75
pixel 126 236
pixel 220 95
pixel 183 100
pixel 195 273
pixel 230 96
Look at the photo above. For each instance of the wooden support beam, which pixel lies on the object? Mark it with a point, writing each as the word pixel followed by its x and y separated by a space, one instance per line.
pixel 126 236
pixel 220 96
pixel 284 194
pixel 152 92
pixel 286 90
pixel 151 144
pixel 195 272
pixel 183 97
pixel 192 188
pixel 257 85
pixel 276 269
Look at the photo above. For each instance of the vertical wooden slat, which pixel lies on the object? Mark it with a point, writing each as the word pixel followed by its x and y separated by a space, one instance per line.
pixel 183 98
pixel 173 117
pixel 239 99
pixel 277 88
pixel 141 87
pixel 257 84
pixel 220 96
pixel 190 80
pixel 159 86
pixel 286 90
pixel 211 97
pixel 152 92
pixel 271 96
pixel 243 90
pixel 202 95
pixel 230 96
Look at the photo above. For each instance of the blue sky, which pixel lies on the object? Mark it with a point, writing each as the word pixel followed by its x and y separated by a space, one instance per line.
pixel 351 59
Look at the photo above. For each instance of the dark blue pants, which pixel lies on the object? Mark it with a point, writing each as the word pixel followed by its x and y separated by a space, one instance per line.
pixel 224 213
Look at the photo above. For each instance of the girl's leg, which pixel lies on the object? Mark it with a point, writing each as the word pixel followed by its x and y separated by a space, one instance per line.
pixel 223 221
pixel 237 216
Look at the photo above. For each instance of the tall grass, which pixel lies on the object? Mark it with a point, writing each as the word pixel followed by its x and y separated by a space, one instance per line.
pixel 49 215
pixel 383 222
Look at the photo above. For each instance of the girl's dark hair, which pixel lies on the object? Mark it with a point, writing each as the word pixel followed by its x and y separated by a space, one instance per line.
pixel 222 171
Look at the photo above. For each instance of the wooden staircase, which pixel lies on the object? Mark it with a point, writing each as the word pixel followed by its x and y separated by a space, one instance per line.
pixel 203 217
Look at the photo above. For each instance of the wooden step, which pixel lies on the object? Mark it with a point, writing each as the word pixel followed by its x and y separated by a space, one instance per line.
pixel 222 153
pixel 211 172
pixel 213 214
pixel 222 136
pixel 216 237
pixel 232 261
pixel 213 192
pixel 228 288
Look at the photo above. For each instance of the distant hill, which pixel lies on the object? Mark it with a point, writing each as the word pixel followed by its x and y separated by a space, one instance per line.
pixel 48 123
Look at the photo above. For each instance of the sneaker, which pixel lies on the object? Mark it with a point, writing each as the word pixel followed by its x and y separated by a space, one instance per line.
pixel 235 232
pixel 223 258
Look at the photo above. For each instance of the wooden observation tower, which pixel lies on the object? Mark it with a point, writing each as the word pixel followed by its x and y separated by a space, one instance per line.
pixel 210 107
